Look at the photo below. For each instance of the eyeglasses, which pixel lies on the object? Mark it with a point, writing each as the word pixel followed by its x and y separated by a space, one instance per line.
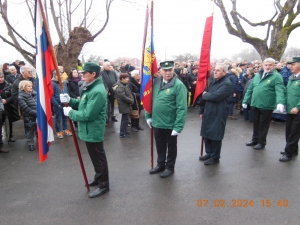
pixel 29 71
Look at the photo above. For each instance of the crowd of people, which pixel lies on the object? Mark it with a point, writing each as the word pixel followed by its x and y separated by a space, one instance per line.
pixel 92 91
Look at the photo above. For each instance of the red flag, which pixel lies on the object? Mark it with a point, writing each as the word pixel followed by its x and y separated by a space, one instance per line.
pixel 204 63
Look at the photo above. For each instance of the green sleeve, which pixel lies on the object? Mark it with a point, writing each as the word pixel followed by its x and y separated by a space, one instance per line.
pixel 95 102
pixel 279 89
pixel 249 92
pixel 74 103
pixel 181 108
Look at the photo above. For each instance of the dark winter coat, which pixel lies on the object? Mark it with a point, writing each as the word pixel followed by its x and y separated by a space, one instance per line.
pixel 235 86
pixel 244 80
pixel 215 109
pixel 27 103
pixel 15 87
pixel 11 78
pixel 55 100
pixel 124 96
pixel 73 88
pixel 135 88
pixel 11 109
pixel 286 73
pixel 183 78
pixel 190 80
pixel 109 79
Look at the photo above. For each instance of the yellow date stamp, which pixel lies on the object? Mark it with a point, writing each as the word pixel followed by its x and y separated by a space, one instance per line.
pixel 242 203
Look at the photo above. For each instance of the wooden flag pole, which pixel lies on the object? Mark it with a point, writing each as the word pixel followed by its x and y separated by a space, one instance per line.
pixel 61 88
pixel 151 130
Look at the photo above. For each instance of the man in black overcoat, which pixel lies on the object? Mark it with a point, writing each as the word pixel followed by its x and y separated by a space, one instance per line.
pixel 214 112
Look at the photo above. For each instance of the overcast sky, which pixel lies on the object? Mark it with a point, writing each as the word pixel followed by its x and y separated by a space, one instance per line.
pixel 178 28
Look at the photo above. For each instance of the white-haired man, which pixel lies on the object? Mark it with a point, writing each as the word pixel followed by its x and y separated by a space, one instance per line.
pixel 266 92
pixel 10 78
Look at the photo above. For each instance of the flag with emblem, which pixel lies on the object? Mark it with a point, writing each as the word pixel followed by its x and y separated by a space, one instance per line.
pixel 149 66
pixel 44 66
pixel 204 63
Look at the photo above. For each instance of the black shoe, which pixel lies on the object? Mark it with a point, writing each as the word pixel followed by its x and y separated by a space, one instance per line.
pixel 93 183
pixel 156 169
pixel 204 157
pixel 125 136
pixel 140 128
pixel 285 158
pixel 134 129
pixel 114 119
pixel 98 192
pixel 251 143
pixel 31 148
pixel 259 146
pixel 211 161
pixel 166 173
pixel 294 154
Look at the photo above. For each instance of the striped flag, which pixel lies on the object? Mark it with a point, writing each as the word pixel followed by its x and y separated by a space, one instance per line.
pixel 204 64
pixel 44 66
pixel 149 68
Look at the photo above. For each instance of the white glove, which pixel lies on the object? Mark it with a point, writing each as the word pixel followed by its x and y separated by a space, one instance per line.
pixel 67 110
pixel 245 106
pixel 64 98
pixel 149 122
pixel 174 133
pixel 280 107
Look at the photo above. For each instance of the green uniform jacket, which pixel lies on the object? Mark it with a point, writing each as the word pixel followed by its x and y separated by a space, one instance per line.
pixel 293 94
pixel 266 93
pixel 91 113
pixel 169 104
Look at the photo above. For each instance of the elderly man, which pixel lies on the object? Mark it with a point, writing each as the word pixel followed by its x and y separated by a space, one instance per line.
pixel 167 118
pixel 90 113
pixel 110 78
pixel 10 78
pixel 292 130
pixel 266 91
pixel 213 112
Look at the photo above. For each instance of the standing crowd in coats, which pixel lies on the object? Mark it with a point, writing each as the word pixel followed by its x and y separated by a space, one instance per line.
pixel 255 89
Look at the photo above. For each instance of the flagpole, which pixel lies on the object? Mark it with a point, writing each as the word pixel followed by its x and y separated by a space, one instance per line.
pixel 151 130
pixel 61 88
pixel 144 42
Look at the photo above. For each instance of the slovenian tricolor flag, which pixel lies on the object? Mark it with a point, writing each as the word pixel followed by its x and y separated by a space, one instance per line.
pixel 44 66
pixel 149 67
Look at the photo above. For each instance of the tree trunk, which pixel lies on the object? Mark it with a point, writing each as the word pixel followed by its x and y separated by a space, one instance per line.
pixel 68 56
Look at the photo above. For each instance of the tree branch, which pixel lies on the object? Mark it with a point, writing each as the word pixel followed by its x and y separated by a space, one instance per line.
pixel 85 15
pixel 262 23
pixel 277 3
pixel 108 3
pixel 60 35
pixel 24 53
pixel 293 27
pixel 30 12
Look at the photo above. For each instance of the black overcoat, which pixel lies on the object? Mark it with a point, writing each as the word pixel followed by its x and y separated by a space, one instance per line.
pixel 215 109
pixel 27 103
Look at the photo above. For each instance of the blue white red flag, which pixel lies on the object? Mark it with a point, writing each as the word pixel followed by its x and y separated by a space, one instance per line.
pixel 149 69
pixel 44 66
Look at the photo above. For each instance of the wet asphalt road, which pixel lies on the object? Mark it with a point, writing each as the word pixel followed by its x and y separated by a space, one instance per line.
pixel 246 187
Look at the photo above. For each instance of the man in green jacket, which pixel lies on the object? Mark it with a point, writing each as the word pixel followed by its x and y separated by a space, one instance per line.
pixel 292 131
pixel 90 113
pixel 266 92
pixel 168 117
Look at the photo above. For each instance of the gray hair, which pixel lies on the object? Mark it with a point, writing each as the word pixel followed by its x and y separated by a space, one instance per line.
pixel 24 68
pixel 11 67
pixel 134 73
pixel 224 67
pixel 23 84
pixel 106 64
pixel 271 60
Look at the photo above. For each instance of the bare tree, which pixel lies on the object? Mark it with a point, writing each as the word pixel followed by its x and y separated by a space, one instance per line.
pixel 71 39
pixel 185 57
pixel 278 28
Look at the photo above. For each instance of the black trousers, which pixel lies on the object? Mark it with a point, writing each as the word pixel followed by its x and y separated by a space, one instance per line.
pixel 124 124
pixel 292 134
pixel 112 106
pixel 165 142
pixel 213 148
pixel 261 124
pixel 98 157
